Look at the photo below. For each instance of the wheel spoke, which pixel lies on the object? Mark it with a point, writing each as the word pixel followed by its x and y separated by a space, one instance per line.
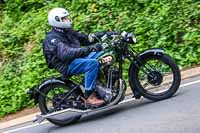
pixel 146 84
pixel 157 66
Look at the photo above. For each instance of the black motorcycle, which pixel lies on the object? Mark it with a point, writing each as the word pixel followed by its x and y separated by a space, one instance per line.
pixel 152 74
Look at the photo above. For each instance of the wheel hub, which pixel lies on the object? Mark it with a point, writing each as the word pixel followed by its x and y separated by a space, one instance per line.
pixel 155 78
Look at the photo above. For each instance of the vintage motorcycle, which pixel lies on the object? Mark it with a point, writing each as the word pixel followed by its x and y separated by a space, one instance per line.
pixel 151 74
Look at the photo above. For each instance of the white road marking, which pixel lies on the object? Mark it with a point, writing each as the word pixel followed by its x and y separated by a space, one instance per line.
pixel 127 100
pixel 33 125
pixel 190 83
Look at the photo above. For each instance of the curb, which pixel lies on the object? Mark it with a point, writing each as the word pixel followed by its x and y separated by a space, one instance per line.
pixel 187 73
pixel 18 121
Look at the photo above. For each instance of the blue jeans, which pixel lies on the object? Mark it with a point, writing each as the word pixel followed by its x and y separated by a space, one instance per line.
pixel 89 66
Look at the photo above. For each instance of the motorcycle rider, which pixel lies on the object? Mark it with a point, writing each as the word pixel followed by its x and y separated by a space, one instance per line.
pixel 63 52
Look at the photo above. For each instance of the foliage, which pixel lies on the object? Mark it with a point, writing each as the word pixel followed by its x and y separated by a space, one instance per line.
pixel 169 24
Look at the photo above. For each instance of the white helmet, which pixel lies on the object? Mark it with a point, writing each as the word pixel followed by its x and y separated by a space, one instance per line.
pixel 55 18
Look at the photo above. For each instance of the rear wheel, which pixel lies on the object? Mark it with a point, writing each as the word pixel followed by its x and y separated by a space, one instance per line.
pixel 50 99
pixel 157 78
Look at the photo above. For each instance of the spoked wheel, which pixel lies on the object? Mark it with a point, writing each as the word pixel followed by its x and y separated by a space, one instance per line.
pixel 157 78
pixel 53 99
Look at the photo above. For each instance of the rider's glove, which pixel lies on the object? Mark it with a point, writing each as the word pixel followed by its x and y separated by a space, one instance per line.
pixel 91 37
pixel 98 47
pixel 95 48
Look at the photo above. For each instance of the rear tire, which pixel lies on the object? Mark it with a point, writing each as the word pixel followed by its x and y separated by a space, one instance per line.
pixel 44 109
pixel 136 83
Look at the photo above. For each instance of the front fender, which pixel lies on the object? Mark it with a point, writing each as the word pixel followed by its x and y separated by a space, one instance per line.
pixel 34 92
pixel 149 52
pixel 146 53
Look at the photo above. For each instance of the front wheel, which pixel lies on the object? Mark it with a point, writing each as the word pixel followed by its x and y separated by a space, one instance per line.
pixel 156 77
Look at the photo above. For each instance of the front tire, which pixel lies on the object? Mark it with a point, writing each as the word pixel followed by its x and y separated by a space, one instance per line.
pixel 149 76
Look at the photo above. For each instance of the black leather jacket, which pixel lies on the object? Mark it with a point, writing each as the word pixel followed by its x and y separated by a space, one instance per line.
pixel 60 47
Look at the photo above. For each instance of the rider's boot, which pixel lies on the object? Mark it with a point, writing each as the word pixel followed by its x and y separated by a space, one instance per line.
pixel 93 100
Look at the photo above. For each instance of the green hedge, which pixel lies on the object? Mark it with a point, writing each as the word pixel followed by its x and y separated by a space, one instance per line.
pixel 169 24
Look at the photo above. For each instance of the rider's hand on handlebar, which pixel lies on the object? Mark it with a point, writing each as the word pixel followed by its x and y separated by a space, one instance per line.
pixel 96 47
pixel 91 37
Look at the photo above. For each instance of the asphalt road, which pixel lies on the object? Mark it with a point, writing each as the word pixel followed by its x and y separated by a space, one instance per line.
pixel 179 114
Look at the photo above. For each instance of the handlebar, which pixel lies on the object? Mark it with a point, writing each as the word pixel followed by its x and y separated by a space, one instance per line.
pixel 113 39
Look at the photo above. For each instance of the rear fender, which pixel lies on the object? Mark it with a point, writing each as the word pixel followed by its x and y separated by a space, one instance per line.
pixel 34 92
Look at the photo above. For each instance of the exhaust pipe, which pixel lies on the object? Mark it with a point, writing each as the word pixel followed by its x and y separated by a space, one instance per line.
pixel 71 112
pixel 62 114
